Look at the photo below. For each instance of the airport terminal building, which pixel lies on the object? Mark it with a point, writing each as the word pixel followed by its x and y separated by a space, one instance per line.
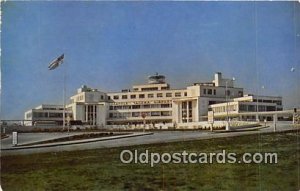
pixel 45 114
pixel 157 103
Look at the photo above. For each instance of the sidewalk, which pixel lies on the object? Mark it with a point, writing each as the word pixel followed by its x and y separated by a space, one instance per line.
pixel 21 146
pixel 138 139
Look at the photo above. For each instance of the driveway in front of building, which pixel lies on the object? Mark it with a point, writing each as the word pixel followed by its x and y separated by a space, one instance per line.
pixel 156 137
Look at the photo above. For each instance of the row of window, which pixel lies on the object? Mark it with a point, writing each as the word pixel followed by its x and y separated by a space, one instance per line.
pixel 150 95
pixel 47 115
pixel 90 109
pixel 79 98
pixel 28 115
pixel 214 92
pixel 185 113
pixel 223 108
pixel 244 108
pixel 145 106
pixel 151 89
pixel 139 114
pixel 92 96
pixel 90 114
pixel 52 108
pixel 89 97
pixel 278 102
pixel 142 102
pixel 209 91
pixel 253 108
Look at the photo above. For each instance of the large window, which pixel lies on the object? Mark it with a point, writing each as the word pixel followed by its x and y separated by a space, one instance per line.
pixel 168 94
pixel 209 91
pixel 150 89
pixel 155 113
pixel 271 108
pixel 135 114
pixel 126 107
pixel 142 96
pixel 136 106
pixel 211 102
pixel 243 107
pixel 155 105
pixel 124 96
pixel 166 113
pixel 159 95
pixel 150 95
pixel 132 96
pixel 240 93
pixel 55 115
pixel 177 94
pixel 278 102
pixel 267 101
pixel 119 115
pixel 166 105
pixel 118 107
pixel 28 115
pixel 251 108
pixel 40 114
pixel 228 92
pixel 116 97
pixel 190 110
pixel 146 106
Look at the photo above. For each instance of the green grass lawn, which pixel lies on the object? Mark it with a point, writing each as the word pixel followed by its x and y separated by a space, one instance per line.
pixel 102 169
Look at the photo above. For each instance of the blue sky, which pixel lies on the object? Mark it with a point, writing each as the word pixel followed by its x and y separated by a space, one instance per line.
pixel 113 45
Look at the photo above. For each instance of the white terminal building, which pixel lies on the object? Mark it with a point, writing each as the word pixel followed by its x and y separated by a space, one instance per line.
pixel 46 113
pixel 159 103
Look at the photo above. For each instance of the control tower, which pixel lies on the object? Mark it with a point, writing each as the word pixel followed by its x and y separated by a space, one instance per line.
pixel 156 79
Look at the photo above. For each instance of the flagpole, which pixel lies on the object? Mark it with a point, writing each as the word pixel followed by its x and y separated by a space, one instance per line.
pixel 54 64
pixel 64 97
pixel 65 93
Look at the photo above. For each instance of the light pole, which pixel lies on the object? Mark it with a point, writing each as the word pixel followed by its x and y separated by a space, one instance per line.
pixel 262 90
pixel 144 121
pixel 64 100
pixel 226 93
pixel 227 104
pixel 295 108
pixel 257 110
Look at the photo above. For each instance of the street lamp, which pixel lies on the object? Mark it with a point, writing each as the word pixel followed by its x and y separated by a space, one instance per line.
pixel 143 115
pixel 227 104
pixel 257 96
pixel 295 109
pixel 263 87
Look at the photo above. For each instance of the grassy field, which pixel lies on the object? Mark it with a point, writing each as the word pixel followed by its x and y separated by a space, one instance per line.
pixel 101 169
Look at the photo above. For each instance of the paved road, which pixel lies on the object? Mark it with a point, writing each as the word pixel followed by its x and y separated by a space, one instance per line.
pixel 29 137
pixel 156 137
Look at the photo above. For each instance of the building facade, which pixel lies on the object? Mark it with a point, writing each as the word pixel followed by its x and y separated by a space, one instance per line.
pixel 157 103
pixel 154 102
pixel 46 114
pixel 246 104
pixel 89 106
